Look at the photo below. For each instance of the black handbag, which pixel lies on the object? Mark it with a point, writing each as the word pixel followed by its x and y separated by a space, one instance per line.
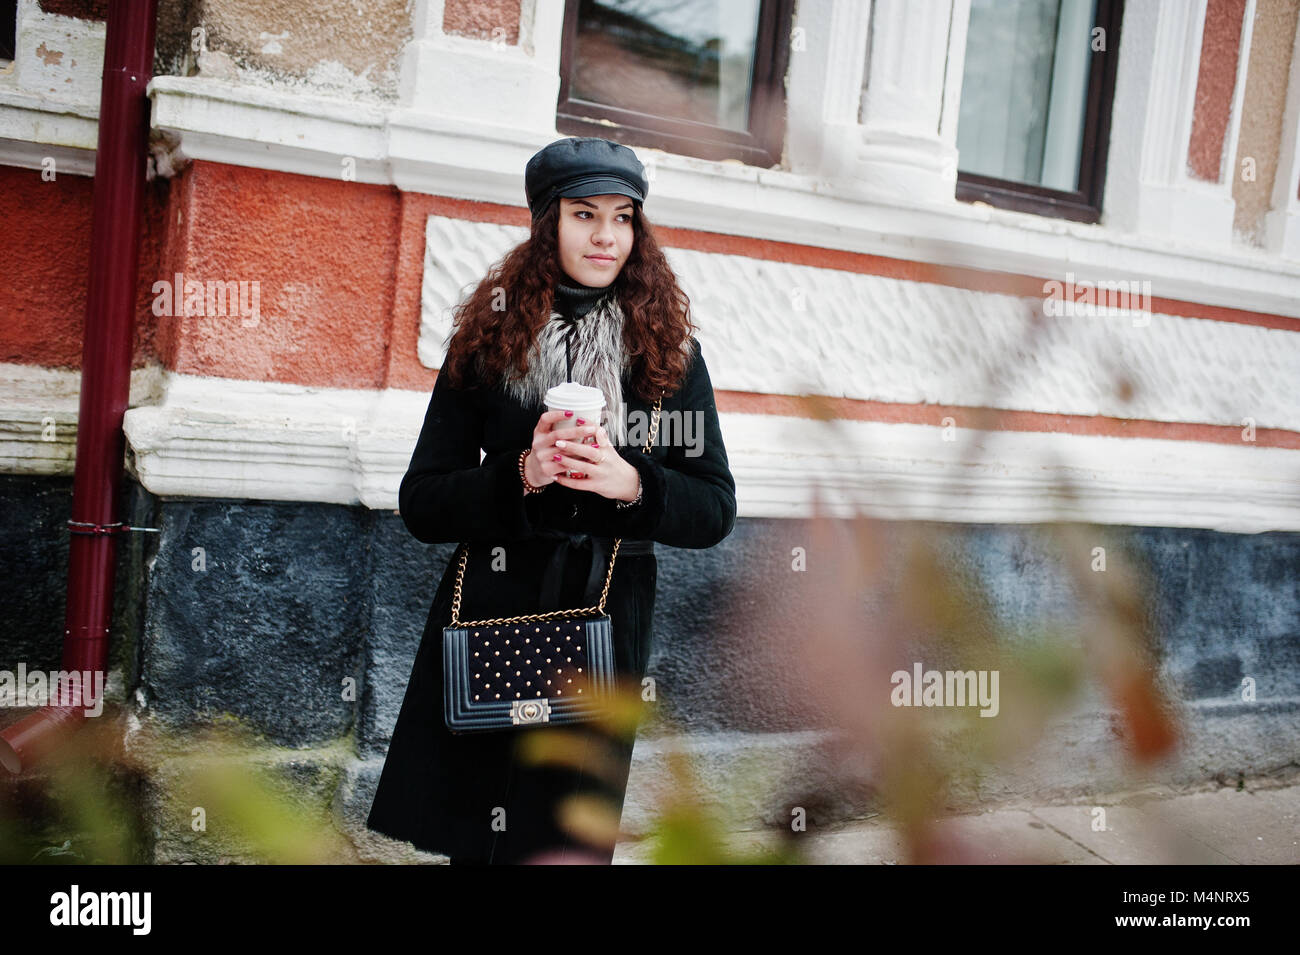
pixel 554 667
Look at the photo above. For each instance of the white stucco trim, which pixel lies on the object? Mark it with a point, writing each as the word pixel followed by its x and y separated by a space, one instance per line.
pixel 57 59
pixel 902 143
pixel 196 436
pixel 773 327
pixel 827 85
pixel 49 94
pixel 515 84
pixel 38 415
pixel 219 437
pixel 912 472
pixel 20 125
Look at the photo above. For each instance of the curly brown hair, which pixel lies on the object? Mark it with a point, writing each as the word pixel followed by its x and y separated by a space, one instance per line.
pixel 488 339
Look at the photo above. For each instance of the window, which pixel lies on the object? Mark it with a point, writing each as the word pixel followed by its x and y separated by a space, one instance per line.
pixel 8 28
pixel 702 78
pixel 1035 104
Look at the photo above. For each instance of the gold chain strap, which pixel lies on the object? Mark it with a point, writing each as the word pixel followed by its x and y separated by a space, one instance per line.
pixel 552 614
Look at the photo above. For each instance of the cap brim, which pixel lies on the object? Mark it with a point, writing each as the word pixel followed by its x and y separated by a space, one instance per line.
pixel 600 187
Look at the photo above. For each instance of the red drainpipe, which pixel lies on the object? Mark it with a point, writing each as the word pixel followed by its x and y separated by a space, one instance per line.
pixel 120 159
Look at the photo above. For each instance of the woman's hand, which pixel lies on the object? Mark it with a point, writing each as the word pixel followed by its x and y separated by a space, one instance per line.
pixel 596 467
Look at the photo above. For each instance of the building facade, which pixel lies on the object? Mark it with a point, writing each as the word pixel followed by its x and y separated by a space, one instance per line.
pixel 1038 261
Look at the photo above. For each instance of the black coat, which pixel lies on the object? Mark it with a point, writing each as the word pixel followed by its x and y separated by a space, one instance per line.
pixel 442 791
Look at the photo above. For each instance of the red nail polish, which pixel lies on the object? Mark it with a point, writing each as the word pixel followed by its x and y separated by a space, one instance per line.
pixel 580 421
pixel 568 414
pixel 556 458
pixel 595 444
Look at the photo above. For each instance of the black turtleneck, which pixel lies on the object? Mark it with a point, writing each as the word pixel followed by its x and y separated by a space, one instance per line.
pixel 573 300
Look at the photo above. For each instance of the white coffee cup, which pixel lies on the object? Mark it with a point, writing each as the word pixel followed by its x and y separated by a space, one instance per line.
pixel 584 401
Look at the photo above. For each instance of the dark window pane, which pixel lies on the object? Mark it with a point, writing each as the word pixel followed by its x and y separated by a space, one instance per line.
pixel 684 59
pixel 8 25
pixel 1024 90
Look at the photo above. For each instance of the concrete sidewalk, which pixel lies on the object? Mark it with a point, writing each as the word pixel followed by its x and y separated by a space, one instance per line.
pixel 1213 825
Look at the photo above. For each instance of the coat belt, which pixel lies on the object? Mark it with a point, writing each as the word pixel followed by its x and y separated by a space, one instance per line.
pixel 597 550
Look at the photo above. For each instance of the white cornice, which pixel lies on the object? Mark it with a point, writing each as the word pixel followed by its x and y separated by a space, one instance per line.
pixel 223 438
pixel 38 415
pixel 283 442
pixel 33 130
pixel 218 437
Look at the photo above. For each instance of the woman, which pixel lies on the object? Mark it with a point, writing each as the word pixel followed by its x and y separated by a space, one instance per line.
pixel 588 297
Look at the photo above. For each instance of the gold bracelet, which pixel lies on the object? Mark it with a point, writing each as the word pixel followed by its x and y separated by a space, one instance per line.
pixel 640 490
pixel 528 488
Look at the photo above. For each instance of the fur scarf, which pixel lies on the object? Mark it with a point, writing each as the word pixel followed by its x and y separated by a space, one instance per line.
pixel 599 359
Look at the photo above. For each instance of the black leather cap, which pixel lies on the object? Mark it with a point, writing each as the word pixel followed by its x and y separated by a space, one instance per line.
pixel 583 166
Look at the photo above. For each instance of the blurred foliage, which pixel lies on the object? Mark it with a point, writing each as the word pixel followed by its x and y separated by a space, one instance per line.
pixel 104 796
pixel 922 762
pixel 688 832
